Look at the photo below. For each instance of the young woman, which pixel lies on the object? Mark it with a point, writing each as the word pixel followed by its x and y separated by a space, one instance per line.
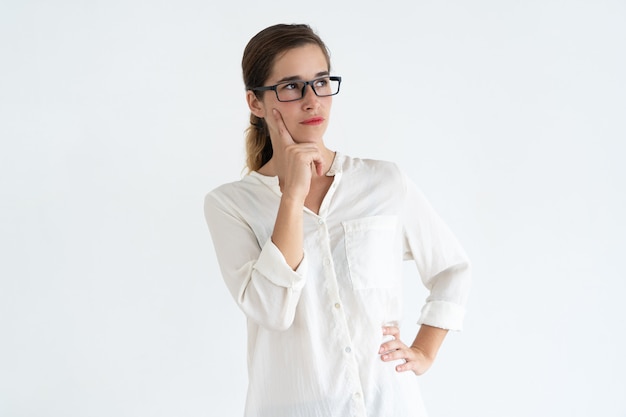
pixel 310 244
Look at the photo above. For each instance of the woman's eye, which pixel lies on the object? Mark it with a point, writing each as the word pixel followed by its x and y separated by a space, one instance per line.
pixel 290 86
pixel 322 82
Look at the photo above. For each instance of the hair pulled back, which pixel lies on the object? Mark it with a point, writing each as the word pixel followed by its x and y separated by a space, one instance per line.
pixel 257 63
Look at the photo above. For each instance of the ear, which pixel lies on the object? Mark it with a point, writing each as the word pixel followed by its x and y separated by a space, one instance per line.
pixel 255 105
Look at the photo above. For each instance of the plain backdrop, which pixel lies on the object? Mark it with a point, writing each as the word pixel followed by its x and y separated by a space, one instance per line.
pixel 117 117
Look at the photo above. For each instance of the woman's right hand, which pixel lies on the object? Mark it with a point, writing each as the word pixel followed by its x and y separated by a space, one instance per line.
pixel 296 163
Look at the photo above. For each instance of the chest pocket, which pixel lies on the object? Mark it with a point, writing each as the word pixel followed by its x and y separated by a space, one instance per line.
pixel 372 251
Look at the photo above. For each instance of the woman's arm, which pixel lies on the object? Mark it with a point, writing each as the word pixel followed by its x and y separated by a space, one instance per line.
pixel 267 282
pixel 288 230
pixel 443 265
pixel 294 164
pixel 259 279
pixel 445 271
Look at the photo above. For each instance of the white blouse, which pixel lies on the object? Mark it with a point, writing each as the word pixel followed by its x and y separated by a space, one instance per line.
pixel 314 333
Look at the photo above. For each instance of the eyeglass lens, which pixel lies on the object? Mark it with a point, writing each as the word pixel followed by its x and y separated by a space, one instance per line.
pixel 295 90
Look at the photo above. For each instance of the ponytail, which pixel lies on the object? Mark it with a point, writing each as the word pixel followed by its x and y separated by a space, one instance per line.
pixel 258 144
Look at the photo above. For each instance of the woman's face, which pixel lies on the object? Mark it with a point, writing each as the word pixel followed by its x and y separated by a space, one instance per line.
pixel 306 119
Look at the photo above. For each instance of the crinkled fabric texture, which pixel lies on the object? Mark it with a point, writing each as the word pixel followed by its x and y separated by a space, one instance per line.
pixel 314 333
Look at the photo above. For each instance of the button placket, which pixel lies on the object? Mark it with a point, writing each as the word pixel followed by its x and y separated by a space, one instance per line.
pixel 342 339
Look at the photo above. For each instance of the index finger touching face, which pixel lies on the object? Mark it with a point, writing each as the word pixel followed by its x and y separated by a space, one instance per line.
pixel 283 133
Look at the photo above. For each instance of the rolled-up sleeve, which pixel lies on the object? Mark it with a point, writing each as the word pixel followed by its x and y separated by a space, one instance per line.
pixel 265 288
pixel 273 266
pixel 442 263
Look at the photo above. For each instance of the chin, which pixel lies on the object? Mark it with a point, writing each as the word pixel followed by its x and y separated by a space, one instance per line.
pixel 310 137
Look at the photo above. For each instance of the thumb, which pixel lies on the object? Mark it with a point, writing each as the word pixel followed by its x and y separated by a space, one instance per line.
pixel 319 166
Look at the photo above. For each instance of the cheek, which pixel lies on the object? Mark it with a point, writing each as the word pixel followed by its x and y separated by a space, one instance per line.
pixel 288 115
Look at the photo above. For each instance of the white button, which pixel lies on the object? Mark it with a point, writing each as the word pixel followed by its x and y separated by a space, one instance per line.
pixel 321 221
pixel 357 395
pixel 348 350
pixel 337 305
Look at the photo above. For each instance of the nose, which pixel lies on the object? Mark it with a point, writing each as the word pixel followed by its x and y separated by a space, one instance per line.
pixel 309 98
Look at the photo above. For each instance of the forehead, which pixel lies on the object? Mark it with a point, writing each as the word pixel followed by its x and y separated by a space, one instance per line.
pixel 303 62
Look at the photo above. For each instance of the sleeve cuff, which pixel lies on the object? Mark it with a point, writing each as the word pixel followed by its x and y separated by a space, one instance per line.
pixel 442 314
pixel 272 265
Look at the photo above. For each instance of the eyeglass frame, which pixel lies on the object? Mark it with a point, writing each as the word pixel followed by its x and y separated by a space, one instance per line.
pixel 306 83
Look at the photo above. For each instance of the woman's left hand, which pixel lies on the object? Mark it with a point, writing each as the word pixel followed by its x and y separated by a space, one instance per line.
pixel 393 350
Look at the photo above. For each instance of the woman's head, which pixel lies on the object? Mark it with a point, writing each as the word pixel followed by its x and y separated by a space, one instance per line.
pixel 259 58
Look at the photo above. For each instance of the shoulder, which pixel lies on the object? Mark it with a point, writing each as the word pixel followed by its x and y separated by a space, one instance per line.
pixel 233 194
pixel 374 169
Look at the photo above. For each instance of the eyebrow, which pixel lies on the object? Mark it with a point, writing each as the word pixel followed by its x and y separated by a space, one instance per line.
pixel 297 78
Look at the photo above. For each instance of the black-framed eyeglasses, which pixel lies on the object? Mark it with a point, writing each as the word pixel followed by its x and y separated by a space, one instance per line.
pixel 296 89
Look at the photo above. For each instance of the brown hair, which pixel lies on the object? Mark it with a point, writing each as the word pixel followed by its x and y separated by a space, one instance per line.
pixel 257 63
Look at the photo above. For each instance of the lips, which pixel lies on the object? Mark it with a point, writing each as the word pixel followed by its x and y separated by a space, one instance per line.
pixel 313 121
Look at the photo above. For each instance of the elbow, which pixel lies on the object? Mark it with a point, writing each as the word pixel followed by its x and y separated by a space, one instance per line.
pixel 277 321
pixel 272 314
pixel 270 303
pixel 279 324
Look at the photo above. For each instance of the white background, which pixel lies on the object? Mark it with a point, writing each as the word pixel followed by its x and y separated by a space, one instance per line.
pixel 117 117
